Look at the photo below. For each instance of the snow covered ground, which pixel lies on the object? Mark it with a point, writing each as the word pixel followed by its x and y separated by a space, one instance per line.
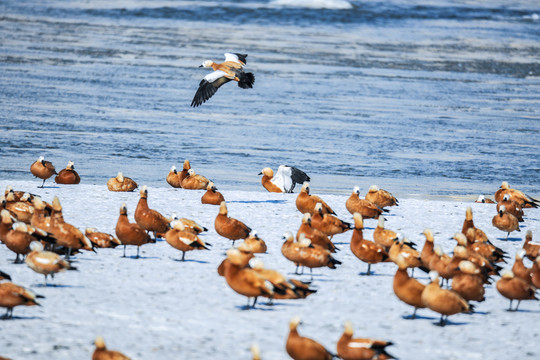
pixel 156 307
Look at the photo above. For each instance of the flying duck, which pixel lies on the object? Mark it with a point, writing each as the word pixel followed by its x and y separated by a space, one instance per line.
pixel 230 69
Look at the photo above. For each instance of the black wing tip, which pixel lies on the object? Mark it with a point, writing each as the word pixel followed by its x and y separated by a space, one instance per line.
pixel 242 57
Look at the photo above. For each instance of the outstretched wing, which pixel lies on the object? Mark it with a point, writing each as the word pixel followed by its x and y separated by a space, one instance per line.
pixel 208 87
pixel 235 57
pixel 291 176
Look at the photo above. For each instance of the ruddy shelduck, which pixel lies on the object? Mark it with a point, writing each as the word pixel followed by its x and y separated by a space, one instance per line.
pixel 314 256
pixel 101 352
pixel 284 180
pixel 42 169
pixel 408 289
pixel 253 243
pixel 484 200
pixel 66 234
pixel 242 278
pixel 212 196
pixel 365 250
pixel 382 236
pixel 173 178
pixel 505 221
pixel 519 269
pixel 305 202
pixel 380 197
pixel 366 208
pixel 532 249
pixel 468 223
pixel 512 206
pixel 121 183
pixel 283 288
pixel 486 248
pixel 101 239
pixel 21 209
pixel 6 224
pixel 183 240
pixel 41 219
pixel 327 223
pixel 46 262
pixel 18 240
pixel 230 69
pixel 228 227
pixel 468 282
pixel 194 181
pixel 427 250
pixel 130 233
pixel 316 236
pixel 12 295
pixel 68 176
pixel 523 199
pixel 149 219
pixel 303 348
pixel 442 301
pixel 349 348
pixel 514 288
pixel 410 255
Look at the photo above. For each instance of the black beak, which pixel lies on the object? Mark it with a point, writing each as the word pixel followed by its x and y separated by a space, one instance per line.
pixel 201 66
pixel 260 173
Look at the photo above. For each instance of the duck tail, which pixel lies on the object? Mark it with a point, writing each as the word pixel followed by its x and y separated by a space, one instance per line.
pixel 246 80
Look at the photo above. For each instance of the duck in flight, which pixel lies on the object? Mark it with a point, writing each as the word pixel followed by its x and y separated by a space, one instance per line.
pixel 230 69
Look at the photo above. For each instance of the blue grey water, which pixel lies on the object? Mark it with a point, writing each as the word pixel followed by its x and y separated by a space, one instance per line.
pixel 430 98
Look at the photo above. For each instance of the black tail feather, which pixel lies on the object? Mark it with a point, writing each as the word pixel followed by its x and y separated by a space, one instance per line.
pixel 246 80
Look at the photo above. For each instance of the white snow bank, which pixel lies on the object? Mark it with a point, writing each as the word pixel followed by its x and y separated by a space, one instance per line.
pixel 159 308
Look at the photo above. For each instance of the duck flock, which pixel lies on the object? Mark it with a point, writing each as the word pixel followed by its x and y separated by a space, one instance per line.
pixel 427 274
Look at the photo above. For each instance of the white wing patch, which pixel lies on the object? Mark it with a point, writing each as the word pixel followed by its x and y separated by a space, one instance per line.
pixel 213 76
pixel 233 58
pixel 354 344
pixel 282 178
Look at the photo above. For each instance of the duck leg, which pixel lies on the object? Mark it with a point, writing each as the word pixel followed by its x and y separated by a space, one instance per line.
pixel 183 255
pixel 519 301
pixel 510 307
pixel 124 251
pixel 413 316
pixel 42 184
pixel 368 269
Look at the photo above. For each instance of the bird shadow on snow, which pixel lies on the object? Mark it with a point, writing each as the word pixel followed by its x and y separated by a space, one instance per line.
pixel 57 286
pixel 190 260
pixel 2 318
pixel 258 307
pixel 523 311
pixel 134 257
pixel 503 239
pixel 417 317
pixel 258 201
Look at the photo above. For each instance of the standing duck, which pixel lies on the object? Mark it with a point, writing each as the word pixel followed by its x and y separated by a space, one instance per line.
pixel 363 249
pixel 42 169
pixel 228 227
pixel 130 233
pixel 303 348
pixel 149 219
pixel 359 348
pixel 366 208
pixel 305 202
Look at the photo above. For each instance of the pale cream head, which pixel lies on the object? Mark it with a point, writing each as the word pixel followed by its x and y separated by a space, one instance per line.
pixel 120 177
pixel 460 238
pixel 429 235
pixel 468 267
pixel 373 188
pixel 348 328
pixel 207 63
pixel 288 236
pixel 295 321
pixel 507 274
pixel 36 246
pixel 267 172
pixel 100 343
